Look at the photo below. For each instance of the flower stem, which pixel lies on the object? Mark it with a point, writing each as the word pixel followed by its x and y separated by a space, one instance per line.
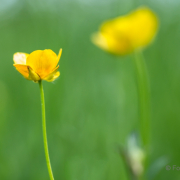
pixel 44 131
pixel 144 98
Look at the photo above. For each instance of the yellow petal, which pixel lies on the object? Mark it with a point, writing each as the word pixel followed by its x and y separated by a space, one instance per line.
pixel 20 58
pixel 143 25
pixel 111 43
pixel 42 62
pixel 23 69
pixel 114 33
pixel 27 72
pixel 53 75
pixel 59 55
pixel 99 40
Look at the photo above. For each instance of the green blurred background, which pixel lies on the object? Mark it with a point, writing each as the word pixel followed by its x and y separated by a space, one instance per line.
pixel 92 107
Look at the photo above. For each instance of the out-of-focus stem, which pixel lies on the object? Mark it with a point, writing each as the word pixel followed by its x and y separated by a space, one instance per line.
pixel 144 98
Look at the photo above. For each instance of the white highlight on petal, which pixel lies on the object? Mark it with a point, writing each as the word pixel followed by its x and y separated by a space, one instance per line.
pixel 20 58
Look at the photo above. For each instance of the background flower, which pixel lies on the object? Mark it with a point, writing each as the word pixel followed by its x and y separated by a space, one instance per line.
pixel 125 33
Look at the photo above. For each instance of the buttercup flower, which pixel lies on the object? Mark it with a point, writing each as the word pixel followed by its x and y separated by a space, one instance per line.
pixel 38 65
pixel 124 34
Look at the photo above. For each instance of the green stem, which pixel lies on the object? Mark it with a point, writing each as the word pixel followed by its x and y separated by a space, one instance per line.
pixel 44 131
pixel 144 98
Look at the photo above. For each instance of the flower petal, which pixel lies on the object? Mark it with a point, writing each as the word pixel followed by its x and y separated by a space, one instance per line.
pixel 20 58
pixel 27 72
pixel 42 62
pixel 143 27
pixel 59 55
pixel 112 44
pixel 23 69
pixel 53 75
pixel 99 40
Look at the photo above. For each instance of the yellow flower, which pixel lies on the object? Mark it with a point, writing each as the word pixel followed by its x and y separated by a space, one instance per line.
pixel 124 34
pixel 38 65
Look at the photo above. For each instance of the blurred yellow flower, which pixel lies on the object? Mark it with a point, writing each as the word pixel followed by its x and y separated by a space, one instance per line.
pixel 38 65
pixel 124 34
